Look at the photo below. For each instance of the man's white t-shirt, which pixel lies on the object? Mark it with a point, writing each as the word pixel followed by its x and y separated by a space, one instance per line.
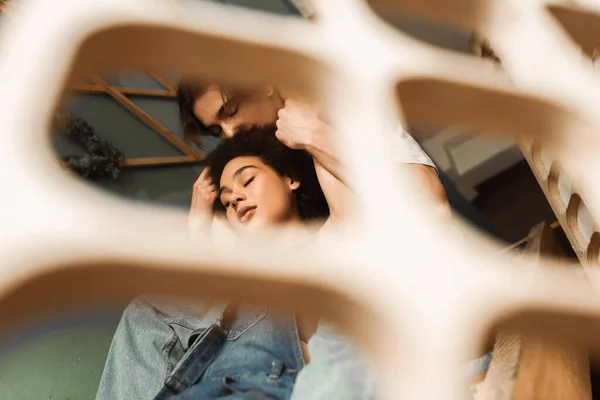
pixel 405 150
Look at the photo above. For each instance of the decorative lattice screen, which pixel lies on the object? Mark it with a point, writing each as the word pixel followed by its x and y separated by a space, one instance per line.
pixel 413 293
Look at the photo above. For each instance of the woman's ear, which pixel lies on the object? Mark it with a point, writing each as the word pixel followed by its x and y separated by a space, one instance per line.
pixel 294 184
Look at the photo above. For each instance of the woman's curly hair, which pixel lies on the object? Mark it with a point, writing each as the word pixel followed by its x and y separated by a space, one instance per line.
pixel 296 164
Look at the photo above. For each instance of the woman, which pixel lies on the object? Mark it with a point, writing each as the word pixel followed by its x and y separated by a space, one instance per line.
pixel 170 347
pixel 262 183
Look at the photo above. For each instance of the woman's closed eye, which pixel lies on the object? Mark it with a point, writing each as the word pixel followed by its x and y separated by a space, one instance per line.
pixel 249 181
pixel 226 197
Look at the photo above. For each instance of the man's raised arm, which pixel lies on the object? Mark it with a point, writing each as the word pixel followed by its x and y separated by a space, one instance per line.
pixel 300 127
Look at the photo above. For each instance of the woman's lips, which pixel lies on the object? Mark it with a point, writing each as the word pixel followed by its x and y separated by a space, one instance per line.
pixel 246 214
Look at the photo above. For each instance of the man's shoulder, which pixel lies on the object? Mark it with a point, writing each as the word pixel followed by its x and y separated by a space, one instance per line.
pixel 405 149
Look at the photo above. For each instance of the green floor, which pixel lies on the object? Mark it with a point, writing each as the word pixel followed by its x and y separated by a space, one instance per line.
pixel 62 365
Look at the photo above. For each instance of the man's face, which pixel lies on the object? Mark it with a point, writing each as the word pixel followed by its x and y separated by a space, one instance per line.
pixel 226 115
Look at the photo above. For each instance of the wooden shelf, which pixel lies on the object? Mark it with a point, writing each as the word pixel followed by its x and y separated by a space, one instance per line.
pixel 155 161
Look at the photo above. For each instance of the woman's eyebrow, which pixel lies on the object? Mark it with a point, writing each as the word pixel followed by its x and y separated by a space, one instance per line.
pixel 240 170
pixel 235 175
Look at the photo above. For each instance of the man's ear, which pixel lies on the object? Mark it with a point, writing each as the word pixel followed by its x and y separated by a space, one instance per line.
pixel 275 95
pixel 270 91
pixel 294 184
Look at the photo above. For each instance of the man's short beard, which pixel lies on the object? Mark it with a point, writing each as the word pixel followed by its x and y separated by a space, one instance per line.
pixel 250 128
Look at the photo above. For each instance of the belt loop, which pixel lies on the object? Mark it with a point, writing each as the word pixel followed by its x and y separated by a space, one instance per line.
pixel 276 369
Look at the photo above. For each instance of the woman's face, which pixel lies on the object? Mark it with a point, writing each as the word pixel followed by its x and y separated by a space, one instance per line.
pixel 255 196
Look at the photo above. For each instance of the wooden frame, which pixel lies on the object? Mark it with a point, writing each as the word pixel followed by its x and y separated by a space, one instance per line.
pixel 534 367
pixel 561 193
pixel 129 91
pixel 145 117
pixel 119 94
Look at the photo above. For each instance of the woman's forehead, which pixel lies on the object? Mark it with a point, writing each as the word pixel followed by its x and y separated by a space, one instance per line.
pixel 238 164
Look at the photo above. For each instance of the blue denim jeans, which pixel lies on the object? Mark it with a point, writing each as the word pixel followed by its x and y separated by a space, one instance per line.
pixel 163 348
pixel 159 348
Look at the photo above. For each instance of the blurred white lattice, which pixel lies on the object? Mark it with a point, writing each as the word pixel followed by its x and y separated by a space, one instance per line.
pixel 409 289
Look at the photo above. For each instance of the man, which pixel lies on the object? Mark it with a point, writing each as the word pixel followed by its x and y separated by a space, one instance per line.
pixel 208 109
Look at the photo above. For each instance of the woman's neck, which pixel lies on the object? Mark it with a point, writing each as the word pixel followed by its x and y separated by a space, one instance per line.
pixel 291 233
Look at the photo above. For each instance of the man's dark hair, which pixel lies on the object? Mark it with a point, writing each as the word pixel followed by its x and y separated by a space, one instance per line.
pixel 188 90
pixel 296 164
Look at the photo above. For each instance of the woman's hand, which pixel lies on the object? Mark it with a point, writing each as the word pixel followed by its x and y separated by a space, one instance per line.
pixel 204 195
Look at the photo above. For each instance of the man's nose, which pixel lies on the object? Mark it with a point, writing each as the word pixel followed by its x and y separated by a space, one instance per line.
pixel 229 129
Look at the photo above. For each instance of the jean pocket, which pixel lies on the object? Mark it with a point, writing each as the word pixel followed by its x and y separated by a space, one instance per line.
pixel 247 317
pixel 258 387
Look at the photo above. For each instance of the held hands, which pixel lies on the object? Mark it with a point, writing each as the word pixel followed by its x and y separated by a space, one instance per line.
pixel 297 125
pixel 204 194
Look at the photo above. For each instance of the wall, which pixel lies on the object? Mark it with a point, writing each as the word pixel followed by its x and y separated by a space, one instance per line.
pixel 110 121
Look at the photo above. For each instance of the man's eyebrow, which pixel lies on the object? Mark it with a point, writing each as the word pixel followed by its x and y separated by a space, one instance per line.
pixel 224 110
pixel 221 112
pixel 225 100
pixel 235 175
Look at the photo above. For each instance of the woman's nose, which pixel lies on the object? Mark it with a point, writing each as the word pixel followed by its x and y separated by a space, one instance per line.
pixel 236 198
pixel 228 129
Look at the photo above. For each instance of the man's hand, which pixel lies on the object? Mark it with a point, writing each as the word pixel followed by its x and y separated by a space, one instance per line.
pixel 298 124
pixel 204 195
pixel 300 127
